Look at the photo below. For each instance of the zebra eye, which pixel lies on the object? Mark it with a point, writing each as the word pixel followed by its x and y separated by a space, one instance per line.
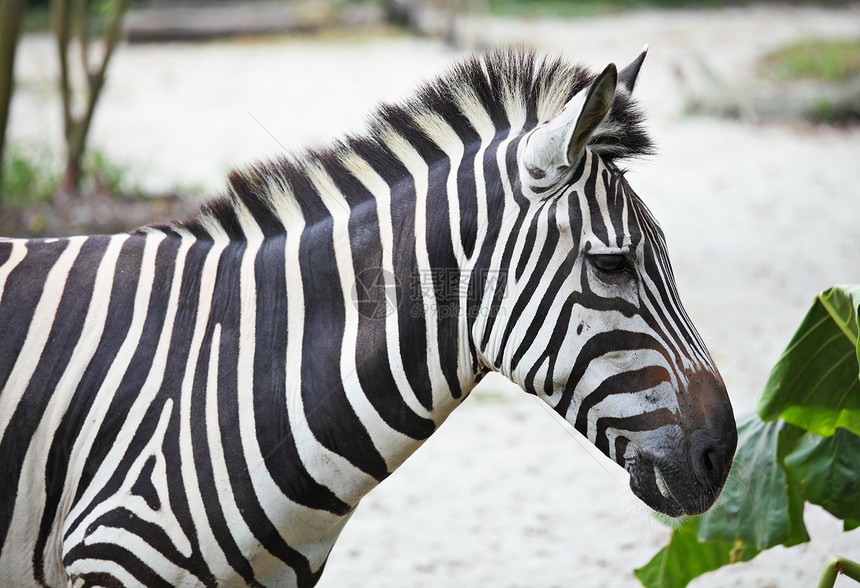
pixel 609 263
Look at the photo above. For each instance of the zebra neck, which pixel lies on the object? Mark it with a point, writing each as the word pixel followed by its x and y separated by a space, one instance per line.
pixel 376 350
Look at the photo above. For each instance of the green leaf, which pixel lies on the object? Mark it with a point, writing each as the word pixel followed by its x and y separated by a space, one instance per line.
pixel 827 469
pixel 758 507
pixel 816 383
pixel 849 525
pixel 685 558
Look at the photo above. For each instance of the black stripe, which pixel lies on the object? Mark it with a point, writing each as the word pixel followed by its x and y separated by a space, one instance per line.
pixel 446 278
pixel 598 345
pixel 633 228
pixel 639 380
pixel 225 310
pixel 510 242
pixel 467 195
pixel 52 362
pixel 329 413
pixel 5 251
pixel 530 240
pixel 481 273
pixel 559 333
pixel 271 414
pixel 614 204
pixel 668 325
pixel 598 223
pixel 530 288
pixel 22 292
pixel 649 421
pixel 412 329
pixel 119 518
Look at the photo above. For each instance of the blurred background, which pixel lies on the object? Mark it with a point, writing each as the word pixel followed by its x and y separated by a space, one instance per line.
pixel 120 113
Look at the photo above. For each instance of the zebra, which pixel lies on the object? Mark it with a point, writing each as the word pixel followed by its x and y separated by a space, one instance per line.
pixel 205 402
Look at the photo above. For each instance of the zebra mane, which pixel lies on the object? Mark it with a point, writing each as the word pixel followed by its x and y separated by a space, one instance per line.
pixel 476 98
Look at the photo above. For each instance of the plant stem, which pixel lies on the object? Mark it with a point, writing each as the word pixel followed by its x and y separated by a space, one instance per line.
pixel 835 565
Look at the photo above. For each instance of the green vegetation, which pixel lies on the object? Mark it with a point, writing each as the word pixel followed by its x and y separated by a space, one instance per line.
pixel 32 176
pixel 29 177
pixel 814 59
pixel 576 8
pixel 802 445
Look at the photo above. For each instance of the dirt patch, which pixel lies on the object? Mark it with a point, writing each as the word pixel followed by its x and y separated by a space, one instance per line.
pixel 97 213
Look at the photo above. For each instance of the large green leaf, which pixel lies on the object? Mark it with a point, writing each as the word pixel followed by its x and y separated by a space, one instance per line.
pixel 807 448
pixel 816 383
pixel 685 558
pixel 758 507
pixel 827 469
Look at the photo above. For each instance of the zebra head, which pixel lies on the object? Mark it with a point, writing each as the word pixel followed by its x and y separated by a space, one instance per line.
pixel 590 320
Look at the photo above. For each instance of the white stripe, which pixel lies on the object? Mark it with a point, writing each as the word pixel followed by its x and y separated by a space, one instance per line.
pixel 135 414
pixel 209 547
pixel 331 469
pixel 507 224
pixel 124 498
pixel 382 193
pixel 247 543
pixel 37 335
pixel 584 208
pixel 470 105
pixel 532 311
pixel 441 133
pixel 417 168
pixel 261 560
pixel 393 446
pixel 94 566
pixel 303 528
pixel 32 484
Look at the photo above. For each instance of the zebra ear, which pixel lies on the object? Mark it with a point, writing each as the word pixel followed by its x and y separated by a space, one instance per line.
pixel 561 141
pixel 627 76
pixel 598 101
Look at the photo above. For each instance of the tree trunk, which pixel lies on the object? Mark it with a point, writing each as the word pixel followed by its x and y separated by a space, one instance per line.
pixel 11 12
pixel 70 20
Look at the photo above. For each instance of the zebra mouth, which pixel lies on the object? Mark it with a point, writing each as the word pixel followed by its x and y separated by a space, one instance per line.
pixel 661 483
pixel 649 484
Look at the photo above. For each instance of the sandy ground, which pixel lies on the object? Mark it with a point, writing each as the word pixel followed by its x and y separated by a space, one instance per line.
pixel 759 218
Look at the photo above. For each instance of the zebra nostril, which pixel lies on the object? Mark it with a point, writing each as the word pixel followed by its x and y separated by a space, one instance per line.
pixel 711 462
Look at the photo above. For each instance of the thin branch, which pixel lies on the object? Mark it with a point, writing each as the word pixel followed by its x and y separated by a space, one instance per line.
pixel 78 26
pixel 61 31
pixel 97 79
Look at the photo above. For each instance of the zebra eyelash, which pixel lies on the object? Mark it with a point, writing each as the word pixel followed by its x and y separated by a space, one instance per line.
pixel 612 267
